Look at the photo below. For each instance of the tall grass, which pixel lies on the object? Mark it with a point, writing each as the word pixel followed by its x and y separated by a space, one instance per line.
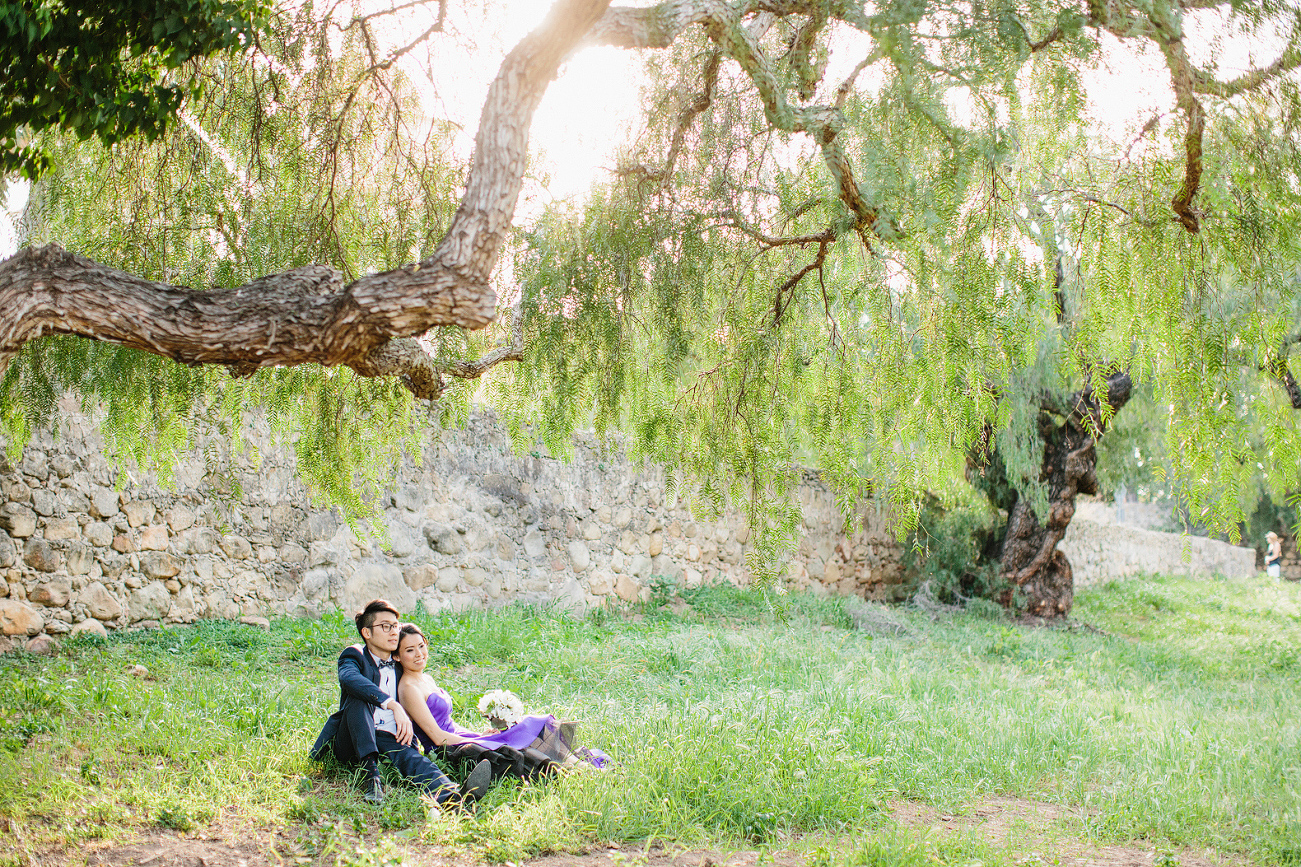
pixel 1169 711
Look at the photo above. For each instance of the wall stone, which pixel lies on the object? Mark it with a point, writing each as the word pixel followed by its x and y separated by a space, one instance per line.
pixel 18 618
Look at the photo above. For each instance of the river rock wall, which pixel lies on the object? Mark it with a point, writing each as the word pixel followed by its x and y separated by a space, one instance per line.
pixel 84 547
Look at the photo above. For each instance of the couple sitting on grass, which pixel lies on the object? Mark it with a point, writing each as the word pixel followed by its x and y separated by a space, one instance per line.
pixel 389 708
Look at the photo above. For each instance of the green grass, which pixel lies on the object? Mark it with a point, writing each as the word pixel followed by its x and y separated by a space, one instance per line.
pixel 1168 712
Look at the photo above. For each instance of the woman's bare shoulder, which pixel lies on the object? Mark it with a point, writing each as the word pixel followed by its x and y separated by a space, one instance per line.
pixel 420 685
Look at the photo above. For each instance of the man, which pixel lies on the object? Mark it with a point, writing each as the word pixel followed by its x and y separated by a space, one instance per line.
pixel 370 723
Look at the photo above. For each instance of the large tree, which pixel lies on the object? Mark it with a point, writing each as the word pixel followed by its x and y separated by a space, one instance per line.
pixel 934 264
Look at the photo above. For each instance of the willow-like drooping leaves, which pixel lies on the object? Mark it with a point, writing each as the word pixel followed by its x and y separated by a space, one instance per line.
pixel 668 308
pixel 859 275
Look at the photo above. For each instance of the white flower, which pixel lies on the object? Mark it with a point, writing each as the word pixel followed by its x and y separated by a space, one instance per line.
pixel 502 707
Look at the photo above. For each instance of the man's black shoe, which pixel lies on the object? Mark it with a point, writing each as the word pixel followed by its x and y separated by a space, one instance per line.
pixel 375 790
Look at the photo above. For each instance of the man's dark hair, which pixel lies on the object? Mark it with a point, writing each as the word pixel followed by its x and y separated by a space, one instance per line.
pixel 366 618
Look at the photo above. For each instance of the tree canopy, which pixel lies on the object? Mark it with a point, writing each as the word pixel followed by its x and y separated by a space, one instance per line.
pixel 943 259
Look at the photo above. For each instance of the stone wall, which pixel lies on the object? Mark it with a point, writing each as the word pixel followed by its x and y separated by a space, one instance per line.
pixel 1101 551
pixel 83 547
pixel 1145 516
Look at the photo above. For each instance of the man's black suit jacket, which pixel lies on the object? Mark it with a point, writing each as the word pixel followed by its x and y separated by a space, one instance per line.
pixel 358 685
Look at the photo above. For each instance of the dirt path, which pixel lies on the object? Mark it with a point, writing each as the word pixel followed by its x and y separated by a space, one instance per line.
pixel 1037 834
pixel 169 850
pixel 1043 834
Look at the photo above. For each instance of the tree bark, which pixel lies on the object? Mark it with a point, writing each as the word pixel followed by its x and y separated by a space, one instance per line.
pixel 1029 558
pixel 308 315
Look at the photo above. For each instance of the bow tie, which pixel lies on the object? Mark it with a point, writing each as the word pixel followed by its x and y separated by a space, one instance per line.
pixel 387 663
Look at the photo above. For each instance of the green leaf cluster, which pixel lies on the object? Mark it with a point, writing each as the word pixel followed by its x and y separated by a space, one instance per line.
pixel 657 308
pixel 727 309
pixel 107 69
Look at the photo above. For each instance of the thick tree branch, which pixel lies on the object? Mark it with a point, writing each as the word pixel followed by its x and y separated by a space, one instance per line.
pixel 735 220
pixel 1121 21
pixel 513 351
pixel 1052 36
pixel 1162 23
pixel 822 123
pixel 657 26
pixel 843 91
pixel 1030 555
pixel 1277 367
pixel 652 26
pixel 1285 378
pixel 807 72
pixel 786 291
pixel 686 117
pixel 406 359
pixel 1182 77
pixel 1203 83
pixel 308 315
pixel 738 38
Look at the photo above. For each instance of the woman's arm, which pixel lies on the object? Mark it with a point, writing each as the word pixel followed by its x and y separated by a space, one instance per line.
pixel 414 704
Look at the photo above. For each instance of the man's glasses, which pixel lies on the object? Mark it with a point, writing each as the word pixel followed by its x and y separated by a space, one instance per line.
pixel 386 627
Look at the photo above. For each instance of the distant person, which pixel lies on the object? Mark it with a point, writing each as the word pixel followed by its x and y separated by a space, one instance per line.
pixel 1274 555
pixel 370 722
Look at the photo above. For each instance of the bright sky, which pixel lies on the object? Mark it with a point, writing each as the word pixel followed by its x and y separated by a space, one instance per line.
pixel 587 113
pixel 11 208
pixel 592 109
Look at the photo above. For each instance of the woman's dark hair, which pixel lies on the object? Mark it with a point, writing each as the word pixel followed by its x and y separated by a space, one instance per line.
pixel 366 618
pixel 409 629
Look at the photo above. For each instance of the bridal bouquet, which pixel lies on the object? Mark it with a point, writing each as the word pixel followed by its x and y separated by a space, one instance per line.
pixel 502 708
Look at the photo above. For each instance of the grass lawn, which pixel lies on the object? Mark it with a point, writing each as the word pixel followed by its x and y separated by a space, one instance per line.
pixel 1168 712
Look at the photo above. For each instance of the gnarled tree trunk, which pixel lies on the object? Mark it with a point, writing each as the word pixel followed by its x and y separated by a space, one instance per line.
pixel 1029 559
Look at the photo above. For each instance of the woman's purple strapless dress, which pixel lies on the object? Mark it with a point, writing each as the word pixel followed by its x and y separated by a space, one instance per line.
pixel 539 731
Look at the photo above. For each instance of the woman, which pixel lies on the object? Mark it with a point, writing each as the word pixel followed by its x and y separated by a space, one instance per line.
pixel 1274 554
pixel 535 744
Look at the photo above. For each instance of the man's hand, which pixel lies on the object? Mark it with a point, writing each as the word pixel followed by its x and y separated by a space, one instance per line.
pixel 403 723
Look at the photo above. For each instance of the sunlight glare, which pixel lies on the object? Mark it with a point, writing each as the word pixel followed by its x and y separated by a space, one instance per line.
pixel 587 114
